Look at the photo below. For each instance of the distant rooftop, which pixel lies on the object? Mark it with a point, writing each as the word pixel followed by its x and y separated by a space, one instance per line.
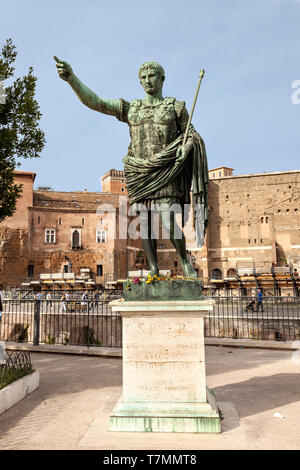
pixel 221 167
pixel 220 172
pixel 113 173
pixel 44 188
pixel 25 173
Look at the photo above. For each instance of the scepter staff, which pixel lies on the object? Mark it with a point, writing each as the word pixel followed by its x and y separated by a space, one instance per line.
pixel 199 214
pixel 201 75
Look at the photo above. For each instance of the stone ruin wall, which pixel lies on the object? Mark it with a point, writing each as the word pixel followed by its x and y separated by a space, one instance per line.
pixel 252 218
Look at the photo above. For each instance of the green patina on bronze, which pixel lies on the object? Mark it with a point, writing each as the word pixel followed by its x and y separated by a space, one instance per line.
pixel 162 166
pixel 179 289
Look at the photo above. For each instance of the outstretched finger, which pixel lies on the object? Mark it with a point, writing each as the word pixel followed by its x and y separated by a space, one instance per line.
pixel 60 63
pixel 56 59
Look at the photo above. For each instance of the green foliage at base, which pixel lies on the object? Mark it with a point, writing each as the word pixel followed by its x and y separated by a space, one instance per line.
pixel 162 288
pixel 9 376
pixel 50 340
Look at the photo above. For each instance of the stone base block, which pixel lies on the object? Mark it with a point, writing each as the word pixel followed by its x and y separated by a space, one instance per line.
pixel 166 417
pixel 16 391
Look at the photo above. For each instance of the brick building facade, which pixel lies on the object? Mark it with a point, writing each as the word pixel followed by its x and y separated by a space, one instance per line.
pixel 253 219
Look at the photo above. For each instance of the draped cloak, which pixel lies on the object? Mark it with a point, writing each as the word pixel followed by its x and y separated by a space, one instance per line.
pixel 145 177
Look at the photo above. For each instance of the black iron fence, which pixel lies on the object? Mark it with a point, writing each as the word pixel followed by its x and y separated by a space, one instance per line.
pixel 275 318
pixel 62 322
pixel 17 364
pixel 55 294
pixel 92 323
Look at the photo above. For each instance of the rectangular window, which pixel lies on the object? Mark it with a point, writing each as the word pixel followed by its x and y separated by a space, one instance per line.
pixel 99 270
pixel 101 236
pixel 50 235
pixel 30 270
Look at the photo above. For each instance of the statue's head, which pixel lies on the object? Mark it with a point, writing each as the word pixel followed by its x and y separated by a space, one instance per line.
pixel 152 77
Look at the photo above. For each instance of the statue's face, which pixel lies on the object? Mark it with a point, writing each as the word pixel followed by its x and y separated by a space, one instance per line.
pixel 152 81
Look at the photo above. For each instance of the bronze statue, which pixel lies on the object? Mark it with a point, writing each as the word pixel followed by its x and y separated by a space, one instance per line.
pixel 160 171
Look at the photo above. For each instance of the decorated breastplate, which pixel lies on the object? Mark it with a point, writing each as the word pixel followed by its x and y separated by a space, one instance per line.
pixel 152 127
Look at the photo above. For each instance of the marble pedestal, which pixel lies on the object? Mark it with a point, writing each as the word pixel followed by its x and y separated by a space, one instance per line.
pixel 164 381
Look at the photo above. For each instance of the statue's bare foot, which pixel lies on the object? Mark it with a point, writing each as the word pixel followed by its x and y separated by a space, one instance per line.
pixel 154 271
pixel 188 270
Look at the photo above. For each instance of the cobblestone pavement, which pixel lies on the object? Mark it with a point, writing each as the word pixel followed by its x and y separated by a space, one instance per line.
pixel 70 410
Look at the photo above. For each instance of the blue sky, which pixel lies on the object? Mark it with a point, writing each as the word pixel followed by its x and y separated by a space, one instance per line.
pixel 250 50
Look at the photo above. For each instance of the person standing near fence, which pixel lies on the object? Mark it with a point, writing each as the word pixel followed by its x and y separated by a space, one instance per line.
pixel 260 300
pixel 85 299
pixel 96 298
pixel 63 307
pixel 49 300
pixel 39 299
pixel 85 296
pixel 39 296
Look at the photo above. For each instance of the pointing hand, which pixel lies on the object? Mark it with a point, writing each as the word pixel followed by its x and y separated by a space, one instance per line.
pixel 64 69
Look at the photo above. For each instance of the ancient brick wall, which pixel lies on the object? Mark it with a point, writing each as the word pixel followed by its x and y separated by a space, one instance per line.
pixel 252 219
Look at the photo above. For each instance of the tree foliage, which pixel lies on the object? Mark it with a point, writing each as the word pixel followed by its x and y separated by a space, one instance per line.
pixel 20 135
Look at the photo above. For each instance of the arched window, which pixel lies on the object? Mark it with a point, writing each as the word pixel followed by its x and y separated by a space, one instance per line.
pixel 75 238
pixel 231 273
pixel 216 274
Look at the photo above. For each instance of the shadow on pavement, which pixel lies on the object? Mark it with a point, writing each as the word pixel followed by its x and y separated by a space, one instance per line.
pixel 260 394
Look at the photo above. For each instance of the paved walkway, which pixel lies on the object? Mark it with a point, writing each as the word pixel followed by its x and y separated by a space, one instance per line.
pixel 70 409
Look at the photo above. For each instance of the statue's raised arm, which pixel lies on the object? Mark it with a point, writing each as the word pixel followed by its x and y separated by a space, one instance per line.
pixel 86 96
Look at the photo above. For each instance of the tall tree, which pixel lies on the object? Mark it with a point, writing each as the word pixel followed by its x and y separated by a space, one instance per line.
pixel 20 135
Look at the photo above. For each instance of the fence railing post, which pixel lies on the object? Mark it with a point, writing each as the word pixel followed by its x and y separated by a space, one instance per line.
pixel 36 323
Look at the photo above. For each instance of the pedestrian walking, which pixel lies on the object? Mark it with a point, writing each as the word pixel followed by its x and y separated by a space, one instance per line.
pixel 260 301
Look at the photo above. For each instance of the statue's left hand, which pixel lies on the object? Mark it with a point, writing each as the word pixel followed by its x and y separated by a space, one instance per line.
pixel 182 152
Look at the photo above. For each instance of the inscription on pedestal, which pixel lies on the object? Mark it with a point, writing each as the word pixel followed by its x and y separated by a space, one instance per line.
pixel 163 359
